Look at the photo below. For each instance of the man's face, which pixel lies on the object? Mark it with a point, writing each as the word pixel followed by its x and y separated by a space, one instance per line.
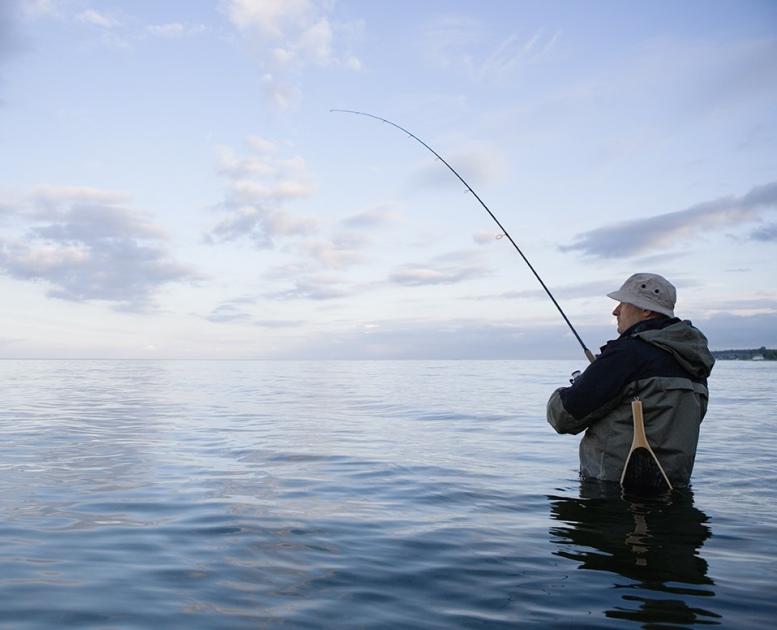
pixel 628 315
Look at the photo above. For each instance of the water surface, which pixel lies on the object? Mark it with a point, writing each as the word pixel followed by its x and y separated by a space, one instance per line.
pixel 141 494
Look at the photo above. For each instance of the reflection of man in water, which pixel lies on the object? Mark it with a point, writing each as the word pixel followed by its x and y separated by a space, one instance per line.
pixel 654 544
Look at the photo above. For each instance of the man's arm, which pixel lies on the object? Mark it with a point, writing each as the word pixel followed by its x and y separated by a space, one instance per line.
pixel 596 391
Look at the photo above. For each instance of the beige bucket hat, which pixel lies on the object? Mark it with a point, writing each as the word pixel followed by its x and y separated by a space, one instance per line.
pixel 649 291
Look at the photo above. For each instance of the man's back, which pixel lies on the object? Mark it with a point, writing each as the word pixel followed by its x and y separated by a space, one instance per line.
pixel 663 361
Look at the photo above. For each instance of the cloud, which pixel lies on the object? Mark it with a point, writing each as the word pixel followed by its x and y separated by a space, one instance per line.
pixel 270 17
pixel 658 233
pixel 234 166
pixel 228 312
pixel 595 289
pixel 295 32
pixel 86 247
pixel 288 271
pixel 515 51
pixel 434 274
pixel 262 226
pixel 486 237
pixel 744 305
pixel 448 40
pixel 315 43
pixel 277 323
pixel 342 251
pixel 476 162
pixel 110 31
pixel 449 339
pixel 304 280
pixel 312 287
pixel 50 199
pixel 38 8
pixel 731 331
pixel 280 93
pixel 174 30
pixel 373 217
pixel 766 233
pixel 290 36
pixel 462 45
pixel 90 16
pixel 238 311
pixel 258 186
pixel 6 209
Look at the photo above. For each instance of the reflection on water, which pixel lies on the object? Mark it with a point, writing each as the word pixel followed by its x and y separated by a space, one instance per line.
pixel 205 495
pixel 653 543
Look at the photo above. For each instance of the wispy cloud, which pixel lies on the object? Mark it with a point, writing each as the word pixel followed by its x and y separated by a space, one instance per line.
pixel 95 18
pixel 486 237
pixel 341 251
pixel 228 312
pixel 463 45
pixel 289 36
pixel 174 30
pixel 258 186
pixel 304 278
pixel 477 162
pixel 568 292
pixel 435 273
pixel 110 30
pixel 516 51
pixel 243 311
pixel 660 232
pixel 85 246
pixel 56 198
pixel 448 41
pixel 373 217
pixel 37 8
pixel 744 305
pixel 278 323
pixel 312 287
pixel 115 28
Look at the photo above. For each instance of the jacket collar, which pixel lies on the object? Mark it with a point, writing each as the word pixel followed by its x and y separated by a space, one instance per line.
pixel 654 323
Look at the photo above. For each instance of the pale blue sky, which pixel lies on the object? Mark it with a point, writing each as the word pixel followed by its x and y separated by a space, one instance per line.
pixel 173 184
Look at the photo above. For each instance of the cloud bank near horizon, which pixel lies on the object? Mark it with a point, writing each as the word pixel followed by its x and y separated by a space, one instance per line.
pixel 485 339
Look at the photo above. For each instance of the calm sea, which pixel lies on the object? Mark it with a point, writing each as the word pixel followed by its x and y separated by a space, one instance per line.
pixel 363 494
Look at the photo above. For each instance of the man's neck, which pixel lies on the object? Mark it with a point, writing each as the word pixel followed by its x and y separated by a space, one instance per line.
pixel 649 323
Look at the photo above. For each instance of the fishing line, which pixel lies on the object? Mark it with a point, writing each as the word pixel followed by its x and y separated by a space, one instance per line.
pixel 505 233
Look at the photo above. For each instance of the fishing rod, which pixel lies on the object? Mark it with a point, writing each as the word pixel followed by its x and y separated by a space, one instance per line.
pixel 587 352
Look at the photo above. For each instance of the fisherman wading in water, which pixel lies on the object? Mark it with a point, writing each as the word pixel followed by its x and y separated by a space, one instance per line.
pixel 658 358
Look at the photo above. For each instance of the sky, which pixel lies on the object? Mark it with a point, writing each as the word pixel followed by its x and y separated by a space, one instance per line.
pixel 174 184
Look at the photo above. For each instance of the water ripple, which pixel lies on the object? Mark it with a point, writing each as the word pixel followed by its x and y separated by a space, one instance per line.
pixel 361 494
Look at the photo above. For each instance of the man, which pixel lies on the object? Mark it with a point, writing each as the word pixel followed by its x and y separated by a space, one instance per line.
pixel 660 359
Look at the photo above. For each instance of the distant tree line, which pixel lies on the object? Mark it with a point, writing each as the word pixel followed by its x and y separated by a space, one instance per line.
pixel 763 352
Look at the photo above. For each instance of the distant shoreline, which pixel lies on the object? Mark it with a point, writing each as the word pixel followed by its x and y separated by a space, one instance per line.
pixel 756 354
